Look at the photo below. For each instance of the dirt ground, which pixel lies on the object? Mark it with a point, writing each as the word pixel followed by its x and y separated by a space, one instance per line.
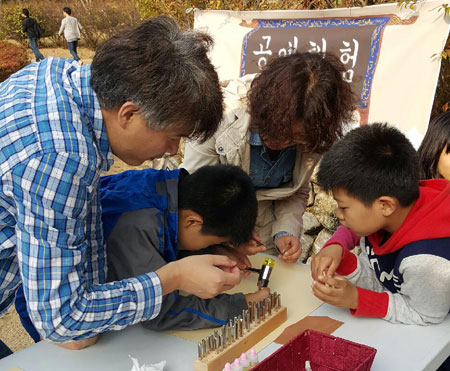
pixel 11 330
pixel 86 55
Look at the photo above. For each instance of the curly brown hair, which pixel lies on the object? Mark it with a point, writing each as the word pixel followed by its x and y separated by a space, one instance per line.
pixel 301 93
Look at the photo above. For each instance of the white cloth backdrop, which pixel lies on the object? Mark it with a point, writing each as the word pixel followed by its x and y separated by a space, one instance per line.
pixel 391 53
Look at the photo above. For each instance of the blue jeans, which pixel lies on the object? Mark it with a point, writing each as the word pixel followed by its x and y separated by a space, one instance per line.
pixel 72 45
pixel 34 48
pixel 4 350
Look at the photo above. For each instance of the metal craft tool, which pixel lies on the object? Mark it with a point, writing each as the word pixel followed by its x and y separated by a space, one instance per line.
pixel 200 350
pixel 258 243
pixel 240 333
pixel 266 270
pixel 256 270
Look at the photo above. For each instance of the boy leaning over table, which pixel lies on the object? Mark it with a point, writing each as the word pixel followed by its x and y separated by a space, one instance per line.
pixel 402 225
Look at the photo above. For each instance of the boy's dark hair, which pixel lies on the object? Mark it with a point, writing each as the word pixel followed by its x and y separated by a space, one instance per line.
pixel 67 10
pixel 165 72
pixel 436 139
pixel 372 161
pixel 302 89
pixel 26 12
pixel 224 196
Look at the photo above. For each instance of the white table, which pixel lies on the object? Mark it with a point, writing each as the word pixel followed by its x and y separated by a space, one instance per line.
pixel 400 347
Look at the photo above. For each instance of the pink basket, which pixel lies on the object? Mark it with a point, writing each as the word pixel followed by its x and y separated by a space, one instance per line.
pixel 324 352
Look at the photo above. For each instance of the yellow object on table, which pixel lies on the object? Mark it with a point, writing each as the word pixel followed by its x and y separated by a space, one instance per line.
pixel 292 281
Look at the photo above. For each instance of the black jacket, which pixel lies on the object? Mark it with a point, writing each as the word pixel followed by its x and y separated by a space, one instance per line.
pixel 31 28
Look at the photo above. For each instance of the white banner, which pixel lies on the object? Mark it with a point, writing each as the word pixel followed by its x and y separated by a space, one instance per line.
pixel 391 54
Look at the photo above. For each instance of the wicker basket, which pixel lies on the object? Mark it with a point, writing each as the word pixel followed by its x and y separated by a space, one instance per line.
pixel 323 351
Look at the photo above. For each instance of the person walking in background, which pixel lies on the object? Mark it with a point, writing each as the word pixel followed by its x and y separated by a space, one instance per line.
pixel 33 31
pixel 72 32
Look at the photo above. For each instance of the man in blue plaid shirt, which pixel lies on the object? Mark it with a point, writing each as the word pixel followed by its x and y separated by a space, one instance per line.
pixel 60 123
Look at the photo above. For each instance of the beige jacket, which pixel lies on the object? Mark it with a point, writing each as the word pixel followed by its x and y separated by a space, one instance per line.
pixel 279 209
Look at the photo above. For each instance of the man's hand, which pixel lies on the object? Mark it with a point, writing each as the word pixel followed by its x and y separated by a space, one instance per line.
pixel 289 247
pixel 241 260
pixel 257 295
pixel 252 247
pixel 337 291
pixel 326 261
pixel 204 276
pixel 79 344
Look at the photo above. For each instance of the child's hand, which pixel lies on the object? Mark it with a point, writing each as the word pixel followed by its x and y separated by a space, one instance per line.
pixel 252 247
pixel 337 291
pixel 326 261
pixel 257 295
pixel 289 247
pixel 241 260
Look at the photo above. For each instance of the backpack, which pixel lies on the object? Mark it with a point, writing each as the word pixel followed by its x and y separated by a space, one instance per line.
pixel 39 30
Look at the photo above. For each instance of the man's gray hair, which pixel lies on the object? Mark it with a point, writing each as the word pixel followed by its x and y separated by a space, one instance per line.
pixel 165 72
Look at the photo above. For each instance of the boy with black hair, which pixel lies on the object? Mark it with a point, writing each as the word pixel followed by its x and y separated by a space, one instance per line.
pixel 33 31
pixel 403 272
pixel 152 216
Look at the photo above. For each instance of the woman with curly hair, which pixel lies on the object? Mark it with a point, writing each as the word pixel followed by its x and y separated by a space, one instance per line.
pixel 276 130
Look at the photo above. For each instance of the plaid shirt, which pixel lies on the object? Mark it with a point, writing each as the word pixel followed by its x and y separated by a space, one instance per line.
pixel 53 146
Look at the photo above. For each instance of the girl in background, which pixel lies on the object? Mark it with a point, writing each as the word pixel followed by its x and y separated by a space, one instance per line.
pixel 434 152
pixel 434 159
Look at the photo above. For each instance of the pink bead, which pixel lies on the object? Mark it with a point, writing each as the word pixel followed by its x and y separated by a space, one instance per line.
pixel 252 352
pixel 236 362
pixel 244 356
pixel 227 367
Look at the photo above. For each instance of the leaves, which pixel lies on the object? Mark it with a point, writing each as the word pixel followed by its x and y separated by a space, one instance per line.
pixel 12 58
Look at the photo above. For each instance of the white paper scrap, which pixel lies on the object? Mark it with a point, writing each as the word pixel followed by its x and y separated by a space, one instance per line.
pixel 156 367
